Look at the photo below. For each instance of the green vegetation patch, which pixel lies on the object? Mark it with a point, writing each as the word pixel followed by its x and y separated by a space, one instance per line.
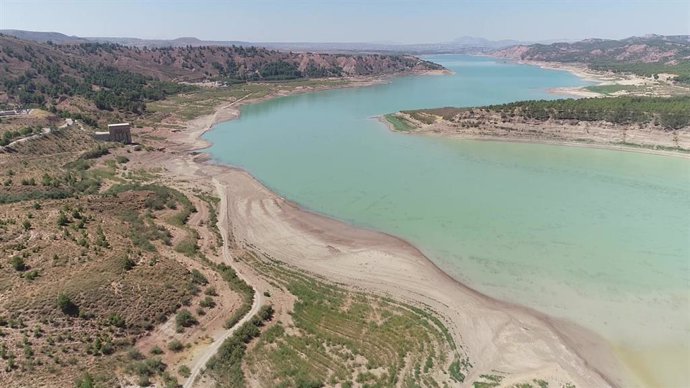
pixel 611 89
pixel 342 337
pixel 226 365
pixel 398 123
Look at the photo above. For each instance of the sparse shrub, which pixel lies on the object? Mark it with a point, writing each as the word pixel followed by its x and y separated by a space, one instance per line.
pixel 126 263
pixel 67 306
pixel 85 381
pixel 207 302
pixel 121 159
pixel 184 319
pixel 184 371
pixel 187 247
pixel 175 346
pixel 169 380
pixel 146 369
pixel 101 241
pixel 18 263
pixel 31 275
pixel 134 354
pixel 62 219
pixel 211 291
pixel 199 278
pixel 156 351
pixel 116 320
pixel 26 225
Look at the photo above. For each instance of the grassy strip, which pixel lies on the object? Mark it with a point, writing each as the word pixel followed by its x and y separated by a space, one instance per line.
pixel 236 284
pixel 610 89
pixel 213 216
pixel 397 123
pixel 226 365
pixel 247 292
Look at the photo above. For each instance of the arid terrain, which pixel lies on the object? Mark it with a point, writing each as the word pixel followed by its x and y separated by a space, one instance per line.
pixel 146 264
pixel 122 265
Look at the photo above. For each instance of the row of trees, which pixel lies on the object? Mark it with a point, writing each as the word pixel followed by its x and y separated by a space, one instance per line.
pixel 669 112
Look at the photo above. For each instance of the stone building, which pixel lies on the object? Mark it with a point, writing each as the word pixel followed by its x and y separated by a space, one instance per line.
pixel 116 132
pixel 120 133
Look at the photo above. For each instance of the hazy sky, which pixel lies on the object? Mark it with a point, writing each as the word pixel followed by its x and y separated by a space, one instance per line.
pixel 405 21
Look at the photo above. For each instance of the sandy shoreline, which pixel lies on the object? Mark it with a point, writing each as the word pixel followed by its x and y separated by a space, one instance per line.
pixel 599 78
pixel 495 335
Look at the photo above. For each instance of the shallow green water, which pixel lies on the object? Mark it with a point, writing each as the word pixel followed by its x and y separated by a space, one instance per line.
pixel 600 237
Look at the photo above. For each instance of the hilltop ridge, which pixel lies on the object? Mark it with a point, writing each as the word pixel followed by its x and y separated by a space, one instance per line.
pixel 646 55
pixel 112 75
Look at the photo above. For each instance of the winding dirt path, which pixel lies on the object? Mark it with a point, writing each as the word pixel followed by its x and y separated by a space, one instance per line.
pixel 200 362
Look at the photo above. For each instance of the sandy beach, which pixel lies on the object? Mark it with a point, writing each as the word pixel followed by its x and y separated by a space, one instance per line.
pixel 496 336
pixel 598 78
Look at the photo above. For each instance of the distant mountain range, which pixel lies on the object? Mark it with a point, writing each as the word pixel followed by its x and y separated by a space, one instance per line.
pixel 466 44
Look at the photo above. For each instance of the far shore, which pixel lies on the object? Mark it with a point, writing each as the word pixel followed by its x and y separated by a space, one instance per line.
pixel 515 139
pixel 581 71
pixel 496 335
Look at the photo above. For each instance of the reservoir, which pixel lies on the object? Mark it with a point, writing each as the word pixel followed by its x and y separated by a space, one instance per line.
pixel 598 237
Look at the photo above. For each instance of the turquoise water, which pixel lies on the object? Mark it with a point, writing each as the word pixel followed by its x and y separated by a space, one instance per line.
pixel 596 236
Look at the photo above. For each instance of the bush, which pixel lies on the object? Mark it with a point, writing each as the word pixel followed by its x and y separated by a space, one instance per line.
pixel 199 278
pixel 67 306
pixel 184 319
pixel 175 346
pixel 127 263
pixel 207 302
pixel 86 381
pixel 18 263
pixel 116 320
pixel 156 350
pixel 187 247
pixel 135 354
pixel 62 219
pixel 184 371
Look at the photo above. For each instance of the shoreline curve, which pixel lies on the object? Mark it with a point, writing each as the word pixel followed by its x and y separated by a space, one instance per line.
pixel 580 346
